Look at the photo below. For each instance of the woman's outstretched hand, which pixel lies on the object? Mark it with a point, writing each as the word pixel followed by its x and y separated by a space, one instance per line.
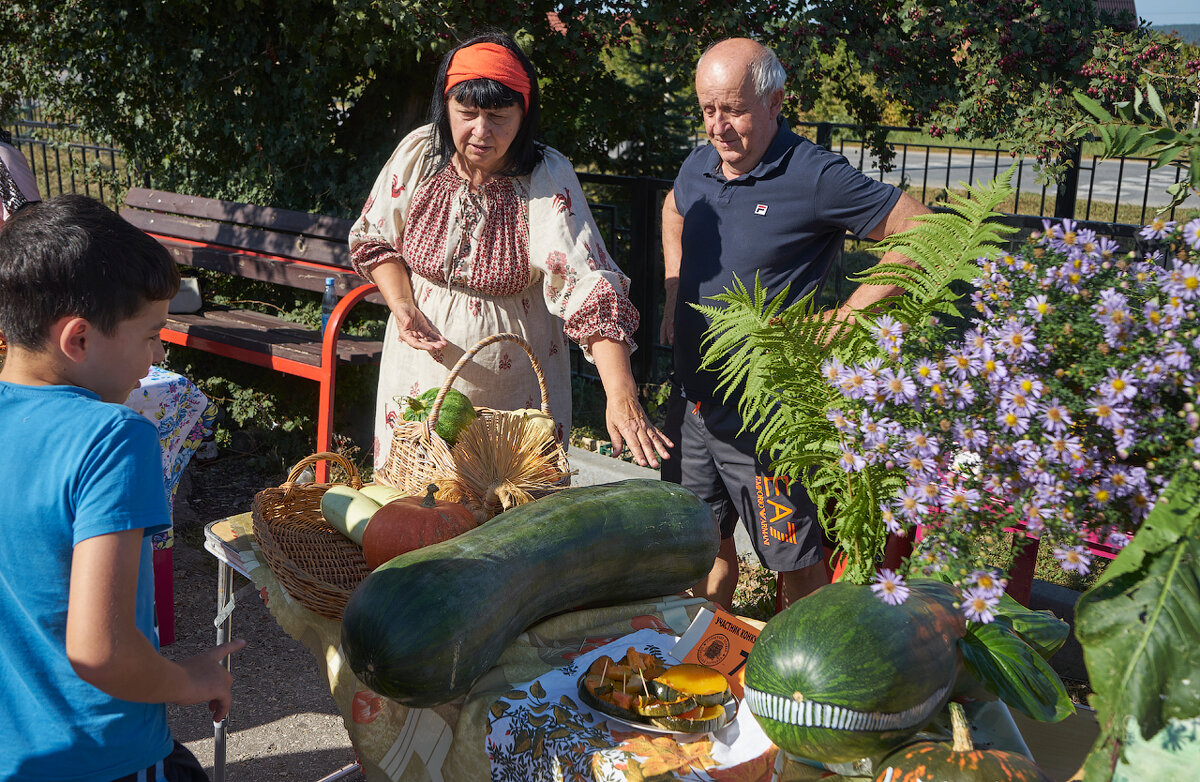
pixel 630 427
pixel 415 329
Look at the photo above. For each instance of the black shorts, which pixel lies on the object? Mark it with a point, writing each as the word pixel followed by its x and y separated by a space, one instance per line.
pixel 721 465
pixel 180 766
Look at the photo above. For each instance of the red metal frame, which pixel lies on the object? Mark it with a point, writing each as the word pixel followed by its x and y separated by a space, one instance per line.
pixel 326 374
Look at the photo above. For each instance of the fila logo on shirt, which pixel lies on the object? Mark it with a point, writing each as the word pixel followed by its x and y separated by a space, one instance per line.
pixel 760 209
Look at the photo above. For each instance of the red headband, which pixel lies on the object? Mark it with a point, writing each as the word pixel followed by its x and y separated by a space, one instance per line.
pixel 489 61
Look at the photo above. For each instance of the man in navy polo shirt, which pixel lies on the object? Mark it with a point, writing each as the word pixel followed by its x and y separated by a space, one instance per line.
pixel 758 200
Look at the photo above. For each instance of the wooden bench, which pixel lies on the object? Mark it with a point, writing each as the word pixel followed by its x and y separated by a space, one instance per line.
pixel 279 246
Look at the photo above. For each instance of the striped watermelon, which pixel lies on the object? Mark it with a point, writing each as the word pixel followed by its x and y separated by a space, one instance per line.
pixel 840 675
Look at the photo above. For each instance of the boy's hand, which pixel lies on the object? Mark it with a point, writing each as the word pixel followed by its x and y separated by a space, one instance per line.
pixel 209 681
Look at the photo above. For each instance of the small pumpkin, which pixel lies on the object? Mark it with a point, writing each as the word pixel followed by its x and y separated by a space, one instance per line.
pixel 455 414
pixel 535 418
pixel 411 523
pixel 933 761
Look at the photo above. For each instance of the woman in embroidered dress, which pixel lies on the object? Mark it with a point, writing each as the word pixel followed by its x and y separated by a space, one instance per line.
pixel 474 229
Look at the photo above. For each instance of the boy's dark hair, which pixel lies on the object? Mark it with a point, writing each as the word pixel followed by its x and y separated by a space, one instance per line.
pixel 73 256
pixel 525 152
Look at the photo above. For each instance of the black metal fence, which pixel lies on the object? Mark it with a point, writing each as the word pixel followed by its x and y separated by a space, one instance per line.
pixel 628 209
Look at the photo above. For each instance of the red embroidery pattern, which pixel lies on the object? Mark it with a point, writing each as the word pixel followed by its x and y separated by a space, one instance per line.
pixel 367 206
pixel 370 254
pixel 606 313
pixel 475 307
pixel 505 362
pixel 562 203
pixel 498 262
pixel 397 188
pixel 438 356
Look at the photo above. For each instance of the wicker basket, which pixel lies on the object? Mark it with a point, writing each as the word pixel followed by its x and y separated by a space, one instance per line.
pixel 317 565
pixel 418 455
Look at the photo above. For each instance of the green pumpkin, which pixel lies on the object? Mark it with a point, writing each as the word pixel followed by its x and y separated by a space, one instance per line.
pixel 931 761
pixel 840 675
pixel 455 415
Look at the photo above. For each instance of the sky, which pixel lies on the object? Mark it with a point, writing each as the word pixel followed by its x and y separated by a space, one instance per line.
pixel 1164 13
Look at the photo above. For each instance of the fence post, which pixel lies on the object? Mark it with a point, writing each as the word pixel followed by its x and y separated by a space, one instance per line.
pixel 825 135
pixel 643 282
pixel 1068 186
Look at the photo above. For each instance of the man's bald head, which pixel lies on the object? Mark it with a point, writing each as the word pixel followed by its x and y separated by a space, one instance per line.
pixel 743 58
pixel 739 84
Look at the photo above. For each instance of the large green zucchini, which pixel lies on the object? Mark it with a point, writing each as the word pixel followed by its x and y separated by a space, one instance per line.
pixel 840 675
pixel 422 628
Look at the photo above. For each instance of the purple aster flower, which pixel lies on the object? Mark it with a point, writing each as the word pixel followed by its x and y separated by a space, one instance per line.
pixel 855 383
pixel 1158 228
pixel 1073 559
pixel 889 521
pixel 1038 307
pixel 897 385
pixel 969 437
pixel 988 582
pixel 1117 539
pixel 888 333
pixel 1177 357
pixel 832 371
pixel 1016 340
pixel 1107 414
pixel 1063 449
pixel 839 420
pixel 889 587
pixel 918 466
pixel 922 442
pixel 963 362
pixel 1118 386
pixel 1184 281
pixel 1013 422
pixel 927 372
pixel 978 605
pixel 1107 247
pixel 850 461
pixel 962 395
pixel 911 504
pixel 1056 417
pixel 1191 233
pixel 959 499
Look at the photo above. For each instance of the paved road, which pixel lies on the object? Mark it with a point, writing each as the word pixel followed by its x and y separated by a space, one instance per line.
pixel 1107 180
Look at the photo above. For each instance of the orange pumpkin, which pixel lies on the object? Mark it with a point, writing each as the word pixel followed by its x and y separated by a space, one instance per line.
pixel 930 761
pixel 411 523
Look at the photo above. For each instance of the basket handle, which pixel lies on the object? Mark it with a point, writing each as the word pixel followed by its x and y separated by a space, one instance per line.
pixel 346 464
pixel 431 421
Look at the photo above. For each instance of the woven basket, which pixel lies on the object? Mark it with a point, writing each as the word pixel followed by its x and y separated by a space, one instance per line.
pixel 315 564
pixel 418 455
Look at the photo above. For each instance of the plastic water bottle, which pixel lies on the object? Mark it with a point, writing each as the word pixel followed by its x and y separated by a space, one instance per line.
pixel 328 302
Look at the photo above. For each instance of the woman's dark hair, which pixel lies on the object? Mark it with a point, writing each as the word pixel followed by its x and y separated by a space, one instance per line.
pixel 73 256
pixel 525 152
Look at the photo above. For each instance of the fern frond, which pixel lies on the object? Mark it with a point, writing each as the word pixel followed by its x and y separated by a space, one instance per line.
pixel 946 245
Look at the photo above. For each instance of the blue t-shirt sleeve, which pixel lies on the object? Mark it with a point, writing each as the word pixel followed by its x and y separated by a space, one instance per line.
pixel 850 199
pixel 120 486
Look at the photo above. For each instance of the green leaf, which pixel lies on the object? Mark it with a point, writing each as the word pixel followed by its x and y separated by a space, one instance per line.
pixel 1092 107
pixel 1139 624
pixel 1042 630
pixel 1156 104
pixel 1014 671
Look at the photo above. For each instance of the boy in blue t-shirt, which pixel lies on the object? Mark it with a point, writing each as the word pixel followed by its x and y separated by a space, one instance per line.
pixel 83 295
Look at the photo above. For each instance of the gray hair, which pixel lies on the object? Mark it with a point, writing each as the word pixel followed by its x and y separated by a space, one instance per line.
pixel 766 72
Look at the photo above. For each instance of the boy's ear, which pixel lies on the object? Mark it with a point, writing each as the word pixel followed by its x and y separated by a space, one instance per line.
pixel 72 334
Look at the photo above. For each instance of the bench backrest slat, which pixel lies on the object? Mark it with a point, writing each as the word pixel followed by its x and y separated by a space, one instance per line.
pixel 238 237
pixel 285 220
